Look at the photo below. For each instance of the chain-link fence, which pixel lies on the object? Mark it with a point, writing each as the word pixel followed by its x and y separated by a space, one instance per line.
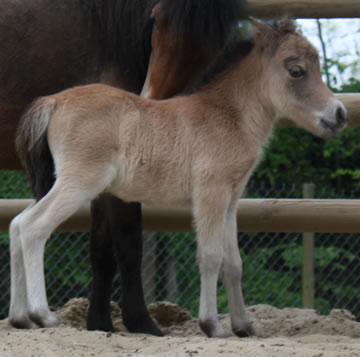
pixel 272 262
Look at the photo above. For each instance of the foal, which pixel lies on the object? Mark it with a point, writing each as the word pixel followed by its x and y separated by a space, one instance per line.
pixel 50 45
pixel 199 149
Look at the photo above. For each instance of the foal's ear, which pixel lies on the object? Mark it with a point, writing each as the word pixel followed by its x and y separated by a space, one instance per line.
pixel 263 33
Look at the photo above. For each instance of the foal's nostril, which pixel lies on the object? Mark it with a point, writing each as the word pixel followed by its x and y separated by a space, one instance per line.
pixel 340 115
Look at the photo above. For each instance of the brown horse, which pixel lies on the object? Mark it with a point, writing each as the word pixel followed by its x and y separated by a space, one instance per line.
pixel 49 45
pixel 198 149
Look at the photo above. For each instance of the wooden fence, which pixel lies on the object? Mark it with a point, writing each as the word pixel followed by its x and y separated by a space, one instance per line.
pixel 305 8
pixel 254 215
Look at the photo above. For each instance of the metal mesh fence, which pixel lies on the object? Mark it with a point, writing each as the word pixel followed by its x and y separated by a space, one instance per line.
pixel 272 262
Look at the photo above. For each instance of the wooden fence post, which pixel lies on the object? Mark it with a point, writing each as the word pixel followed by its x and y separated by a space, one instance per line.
pixel 308 280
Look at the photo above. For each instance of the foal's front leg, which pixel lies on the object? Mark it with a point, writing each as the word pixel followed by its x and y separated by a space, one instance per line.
pixel 232 275
pixel 209 210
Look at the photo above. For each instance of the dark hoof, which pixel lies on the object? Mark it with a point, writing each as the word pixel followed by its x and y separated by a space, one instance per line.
pixel 247 331
pixel 146 325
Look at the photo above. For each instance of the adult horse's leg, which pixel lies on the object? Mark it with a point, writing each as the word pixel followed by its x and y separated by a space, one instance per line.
pixel 123 233
pixel 103 265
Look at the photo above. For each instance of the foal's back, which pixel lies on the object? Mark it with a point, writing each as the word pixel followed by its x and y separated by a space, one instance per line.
pixel 144 143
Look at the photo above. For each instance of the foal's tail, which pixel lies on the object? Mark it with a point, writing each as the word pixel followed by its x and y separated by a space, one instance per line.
pixel 33 148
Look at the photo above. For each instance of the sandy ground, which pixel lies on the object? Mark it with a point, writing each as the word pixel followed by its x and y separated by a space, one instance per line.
pixel 286 332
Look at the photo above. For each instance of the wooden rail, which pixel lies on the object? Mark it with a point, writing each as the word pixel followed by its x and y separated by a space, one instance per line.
pixel 352 103
pixel 254 215
pixel 305 8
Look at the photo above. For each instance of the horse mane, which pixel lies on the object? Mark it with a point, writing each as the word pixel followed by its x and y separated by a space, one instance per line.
pixel 198 21
pixel 123 29
pixel 239 47
pixel 203 20
pixel 236 49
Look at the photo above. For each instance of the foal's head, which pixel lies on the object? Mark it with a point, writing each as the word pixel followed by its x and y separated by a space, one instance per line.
pixel 293 79
pixel 186 36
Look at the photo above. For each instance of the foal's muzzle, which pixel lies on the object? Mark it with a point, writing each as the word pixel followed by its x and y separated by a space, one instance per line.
pixel 335 117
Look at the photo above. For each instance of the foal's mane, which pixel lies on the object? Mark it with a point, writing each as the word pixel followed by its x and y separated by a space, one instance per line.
pixel 123 27
pixel 237 48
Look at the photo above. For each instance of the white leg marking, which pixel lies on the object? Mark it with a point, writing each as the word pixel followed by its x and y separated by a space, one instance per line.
pixel 18 314
pixel 232 275
pixel 34 228
pixel 209 212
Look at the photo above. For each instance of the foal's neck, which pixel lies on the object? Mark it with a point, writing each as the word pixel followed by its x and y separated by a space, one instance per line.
pixel 241 92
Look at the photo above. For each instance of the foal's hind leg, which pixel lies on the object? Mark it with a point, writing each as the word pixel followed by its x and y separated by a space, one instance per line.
pixel 232 274
pixel 35 227
pixel 18 314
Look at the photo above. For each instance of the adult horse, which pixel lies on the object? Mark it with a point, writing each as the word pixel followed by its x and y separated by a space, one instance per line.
pixel 197 149
pixel 48 45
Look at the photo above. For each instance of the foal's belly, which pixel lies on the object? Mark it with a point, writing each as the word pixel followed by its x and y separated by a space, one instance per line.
pixel 151 195
pixel 150 188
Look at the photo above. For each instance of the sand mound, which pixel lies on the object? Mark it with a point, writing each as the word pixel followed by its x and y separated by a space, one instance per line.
pixel 268 320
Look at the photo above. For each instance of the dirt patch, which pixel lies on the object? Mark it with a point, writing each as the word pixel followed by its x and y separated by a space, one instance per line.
pixel 286 332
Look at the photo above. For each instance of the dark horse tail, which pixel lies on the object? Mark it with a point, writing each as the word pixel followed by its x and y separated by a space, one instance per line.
pixel 33 148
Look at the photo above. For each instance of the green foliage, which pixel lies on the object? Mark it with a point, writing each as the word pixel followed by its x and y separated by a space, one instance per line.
pixel 293 157
pixel 14 185
pixel 351 86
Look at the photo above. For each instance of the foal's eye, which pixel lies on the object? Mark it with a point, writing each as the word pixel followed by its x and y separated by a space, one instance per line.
pixel 296 72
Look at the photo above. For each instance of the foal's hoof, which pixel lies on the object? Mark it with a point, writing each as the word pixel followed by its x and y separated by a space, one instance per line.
pixel 212 328
pixel 22 322
pixel 44 319
pixel 246 331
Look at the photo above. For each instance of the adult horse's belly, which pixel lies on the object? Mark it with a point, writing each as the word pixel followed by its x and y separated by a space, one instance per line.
pixel 42 52
pixel 9 117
